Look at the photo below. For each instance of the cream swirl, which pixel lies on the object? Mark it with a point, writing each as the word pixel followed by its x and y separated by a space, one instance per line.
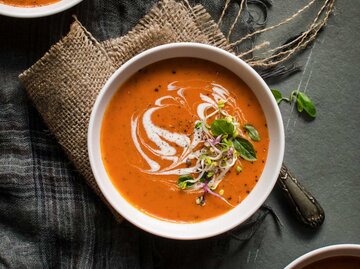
pixel 163 141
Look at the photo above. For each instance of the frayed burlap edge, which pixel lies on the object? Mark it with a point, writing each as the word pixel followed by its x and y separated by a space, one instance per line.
pixel 63 86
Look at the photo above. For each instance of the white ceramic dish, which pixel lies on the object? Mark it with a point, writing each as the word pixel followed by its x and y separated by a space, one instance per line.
pixel 34 12
pixel 323 253
pixel 256 197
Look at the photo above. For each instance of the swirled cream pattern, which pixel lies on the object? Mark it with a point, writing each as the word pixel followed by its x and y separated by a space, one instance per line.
pixel 163 141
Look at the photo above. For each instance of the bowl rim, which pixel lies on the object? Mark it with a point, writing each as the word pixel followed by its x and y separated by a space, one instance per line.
pixel 323 253
pixel 187 231
pixel 38 11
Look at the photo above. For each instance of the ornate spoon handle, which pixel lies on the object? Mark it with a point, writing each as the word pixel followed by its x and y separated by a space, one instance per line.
pixel 307 209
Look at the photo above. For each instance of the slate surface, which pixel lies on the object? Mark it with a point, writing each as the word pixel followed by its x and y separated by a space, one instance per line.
pixel 324 153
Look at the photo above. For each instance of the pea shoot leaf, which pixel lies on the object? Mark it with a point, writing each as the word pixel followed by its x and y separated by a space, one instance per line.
pixel 198 125
pixel 183 181
pixel 304 103
pixel 245 149
pixel 222 127
pixel 253 133
pixel 278 96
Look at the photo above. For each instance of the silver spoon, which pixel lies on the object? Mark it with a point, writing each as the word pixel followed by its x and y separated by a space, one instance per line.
pixel 306 207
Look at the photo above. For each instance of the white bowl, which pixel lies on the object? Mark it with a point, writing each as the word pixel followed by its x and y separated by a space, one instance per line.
pixel 256 197
pixel 34 12
pixel 323 253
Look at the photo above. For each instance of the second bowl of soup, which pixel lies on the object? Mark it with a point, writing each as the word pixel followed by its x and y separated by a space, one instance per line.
pixel 186 141
pixel 34 8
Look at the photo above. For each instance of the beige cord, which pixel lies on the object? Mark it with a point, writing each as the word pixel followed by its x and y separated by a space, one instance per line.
pixel 236 19
pixel 223 12
pixel 274 26
pixel 315 30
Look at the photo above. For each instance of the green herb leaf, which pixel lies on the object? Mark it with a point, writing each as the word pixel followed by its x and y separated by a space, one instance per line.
pixel 222 127
pixel 245 149
pixel 198 125
pixel 253 133
pixel 300 107
pixel 183 181
pixel 277 95
pixel 304 103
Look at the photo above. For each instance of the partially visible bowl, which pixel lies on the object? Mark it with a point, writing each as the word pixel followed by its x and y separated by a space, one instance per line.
pixel 39 11
pixel 323 253
pixel 261 190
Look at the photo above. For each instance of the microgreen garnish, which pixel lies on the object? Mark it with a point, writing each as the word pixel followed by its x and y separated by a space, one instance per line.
pixel 223 147
pixel 303 102
pixel 238 169
pixel 245 149
pixel 221 104
pixel 198 125
pixel 222 127
pixel 253 133
pixel 278 96
pixel 185 181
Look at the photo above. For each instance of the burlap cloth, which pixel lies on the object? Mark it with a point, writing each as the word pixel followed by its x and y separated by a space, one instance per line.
pixel 65 82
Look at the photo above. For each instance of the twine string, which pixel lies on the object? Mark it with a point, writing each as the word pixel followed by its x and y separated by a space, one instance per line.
pixel 257 47
pixel 304 34
pixel 315 30
pixel 285 51
pixel 236 19
pixel 223 12
pixel 296 14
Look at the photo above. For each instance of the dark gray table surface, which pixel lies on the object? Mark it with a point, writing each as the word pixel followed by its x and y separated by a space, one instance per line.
pixel 323 153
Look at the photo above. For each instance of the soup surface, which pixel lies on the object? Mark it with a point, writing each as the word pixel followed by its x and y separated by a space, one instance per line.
pixel 340 262
pixel 153 140
pixel 28 3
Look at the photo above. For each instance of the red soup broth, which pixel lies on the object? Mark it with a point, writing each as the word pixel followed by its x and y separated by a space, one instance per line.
pixel 28 3
pixel 340 262
pixel 158 195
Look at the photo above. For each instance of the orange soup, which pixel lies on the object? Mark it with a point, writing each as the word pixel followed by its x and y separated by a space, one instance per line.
pixel 340 262
pixel 28 3
pixel 184 140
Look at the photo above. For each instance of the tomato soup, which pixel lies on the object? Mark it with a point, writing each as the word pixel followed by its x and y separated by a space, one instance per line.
pixel 151 143
pixel 340 262
pixel 28 3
